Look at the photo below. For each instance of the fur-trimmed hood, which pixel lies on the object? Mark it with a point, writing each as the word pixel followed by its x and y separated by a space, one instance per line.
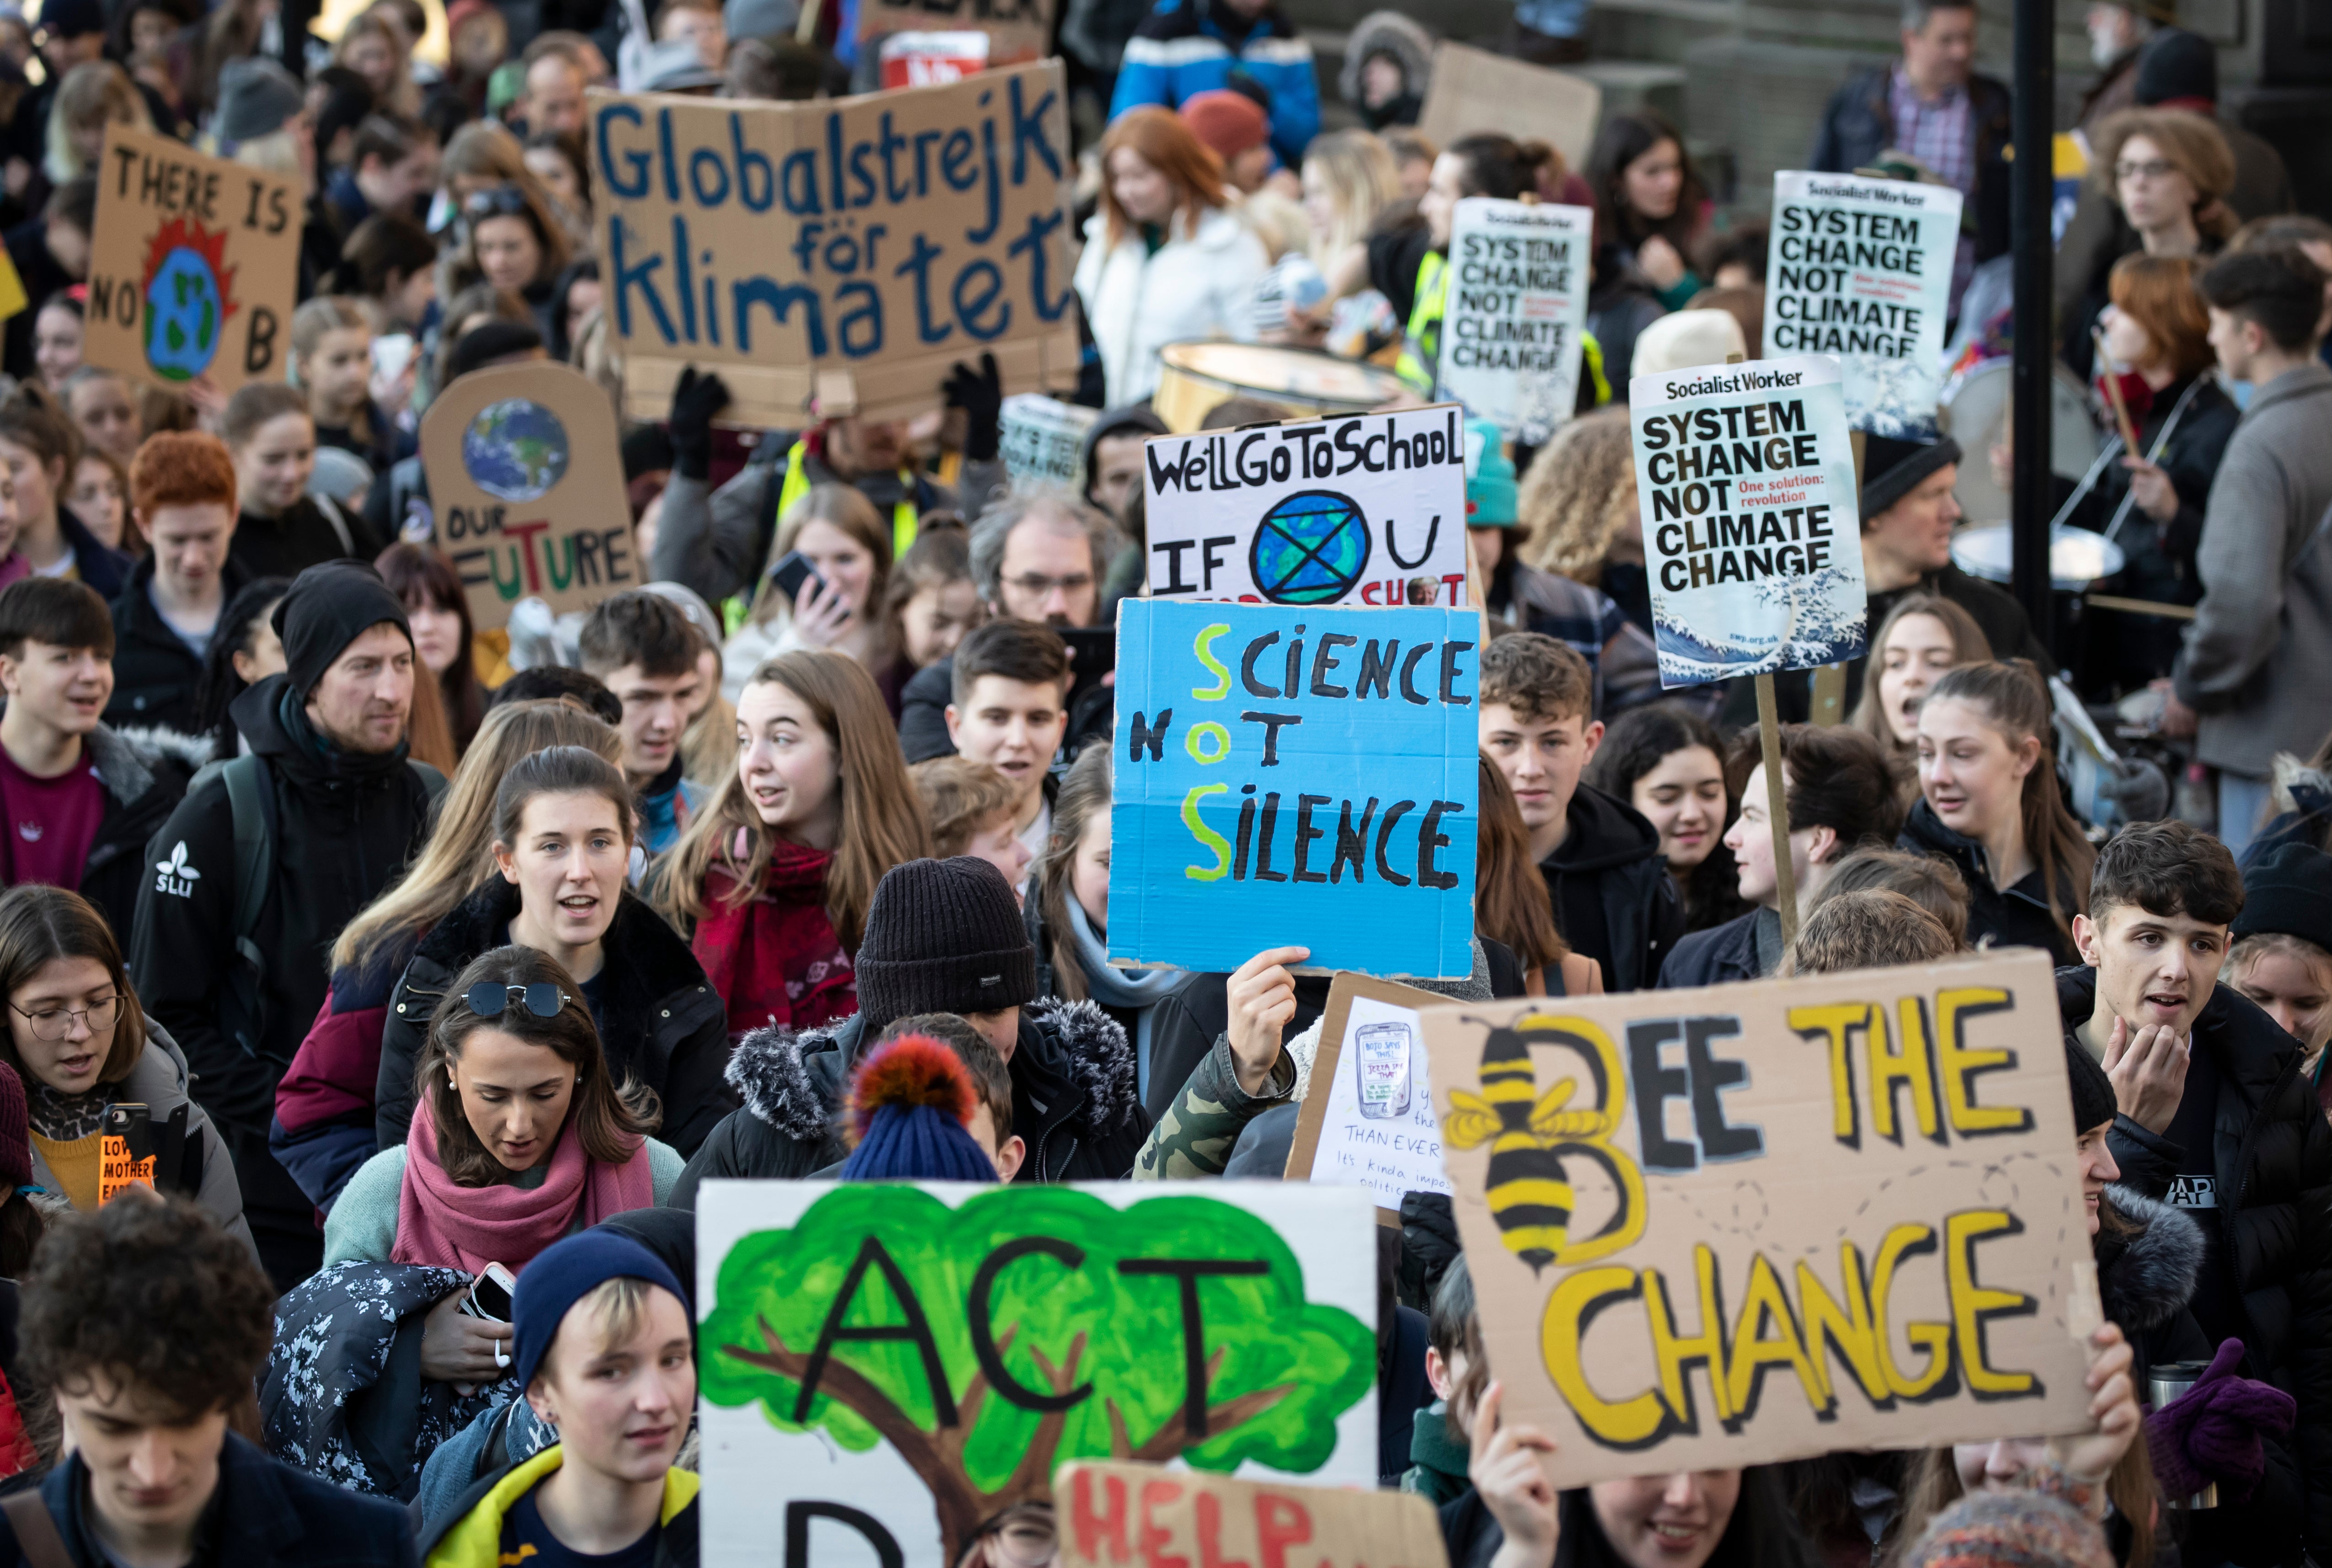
pixel 794 1080
pixel 2147 1275
pixel 1388 32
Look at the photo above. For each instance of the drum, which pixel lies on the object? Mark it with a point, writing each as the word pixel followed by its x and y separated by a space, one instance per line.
pixel 1975 413
pixel 2077 557
pixel 1304 381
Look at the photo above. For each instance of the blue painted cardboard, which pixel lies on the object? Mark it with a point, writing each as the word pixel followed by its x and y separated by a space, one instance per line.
pixel 1340 818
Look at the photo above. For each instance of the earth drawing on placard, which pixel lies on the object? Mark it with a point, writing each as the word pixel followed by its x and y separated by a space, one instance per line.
pixel 1310 549
pixel 515 449
pixel 189 293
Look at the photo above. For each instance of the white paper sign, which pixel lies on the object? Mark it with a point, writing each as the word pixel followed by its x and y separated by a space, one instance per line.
pixel 884 1367
pixel 1380 1130
pixel 1346 509
pixel 1862 269
pixel 1043 439
pixel 1510 335
pixel 1745 479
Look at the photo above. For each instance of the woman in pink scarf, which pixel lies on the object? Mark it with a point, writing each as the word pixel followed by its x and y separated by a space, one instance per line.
pixel 520 1137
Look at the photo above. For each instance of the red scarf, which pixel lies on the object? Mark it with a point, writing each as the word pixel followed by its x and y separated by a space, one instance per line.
pixel 450 1225
pixel 775 958
pixel 2135 396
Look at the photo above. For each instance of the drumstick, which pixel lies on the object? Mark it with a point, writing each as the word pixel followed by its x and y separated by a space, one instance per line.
pixel 2112 395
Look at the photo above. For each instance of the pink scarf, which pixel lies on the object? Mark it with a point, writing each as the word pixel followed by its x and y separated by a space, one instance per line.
pixel 466 1228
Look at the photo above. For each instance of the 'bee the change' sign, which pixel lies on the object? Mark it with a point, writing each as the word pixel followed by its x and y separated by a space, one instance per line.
pixel 1756 1222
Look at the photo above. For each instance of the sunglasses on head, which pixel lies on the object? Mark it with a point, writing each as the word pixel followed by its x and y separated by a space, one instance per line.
pixel 543 1000
pixel 503 201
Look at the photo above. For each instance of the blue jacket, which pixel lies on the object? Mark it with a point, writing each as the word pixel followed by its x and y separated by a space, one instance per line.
pixel 271 1514
pixel 1187 47
pixel 1717 956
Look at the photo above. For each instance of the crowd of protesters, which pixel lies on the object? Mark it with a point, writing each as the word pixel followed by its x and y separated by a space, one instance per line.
pixel 433 951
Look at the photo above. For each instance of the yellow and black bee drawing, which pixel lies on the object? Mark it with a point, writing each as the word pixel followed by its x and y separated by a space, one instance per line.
pixel 1531 1134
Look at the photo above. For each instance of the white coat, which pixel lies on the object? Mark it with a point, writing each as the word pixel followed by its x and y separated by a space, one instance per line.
pixel 1198 285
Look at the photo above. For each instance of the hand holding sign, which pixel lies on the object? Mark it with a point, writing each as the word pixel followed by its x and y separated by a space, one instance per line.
pixel 1262 1000
pixel 2113 1403
pixel 1505 1469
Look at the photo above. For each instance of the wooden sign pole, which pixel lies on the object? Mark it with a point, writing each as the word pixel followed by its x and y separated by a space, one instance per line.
pixel 1777 793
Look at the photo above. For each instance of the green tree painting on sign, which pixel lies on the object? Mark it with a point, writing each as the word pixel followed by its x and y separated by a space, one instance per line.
pixel 988 1342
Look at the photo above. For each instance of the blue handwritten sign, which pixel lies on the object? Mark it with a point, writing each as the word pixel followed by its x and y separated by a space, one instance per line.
pixel 1301 776
pixel 887 235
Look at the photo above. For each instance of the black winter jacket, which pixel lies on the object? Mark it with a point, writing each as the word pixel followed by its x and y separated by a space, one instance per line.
pixel 664 1026
pixel 1609 873
pixel 344 826
pixel 1070 1058
pixel 2272 1153
pixel 155 674
pixel 145 773
pixel 1717 956
pixel 1858 124
pixel 264 1515
pixel 2016 916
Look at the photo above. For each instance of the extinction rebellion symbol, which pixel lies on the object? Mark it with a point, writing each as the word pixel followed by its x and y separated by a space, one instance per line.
pixel 1310 549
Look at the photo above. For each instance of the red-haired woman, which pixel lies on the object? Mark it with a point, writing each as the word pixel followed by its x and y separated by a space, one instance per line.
pixel 182 496
pixel 439 612
pixel 1163 259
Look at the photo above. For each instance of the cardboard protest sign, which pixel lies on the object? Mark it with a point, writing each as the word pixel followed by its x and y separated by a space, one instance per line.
pixel 1017 30
pixel 855 247
pixel 1043 439
pixel 1746 476
pixel 1116 1515
pixel 194 265
pixel 1314 511
pixel 1328 802
pixel 1472 88
pixel 1862 269
pixel 1510 337
pixel 885 1367
pixel 1756 1222
pixel 526 476
pixel 932 59
pixel 1368 1107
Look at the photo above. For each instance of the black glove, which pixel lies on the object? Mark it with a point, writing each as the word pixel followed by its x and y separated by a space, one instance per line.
pixel 694 401
pixel 980 395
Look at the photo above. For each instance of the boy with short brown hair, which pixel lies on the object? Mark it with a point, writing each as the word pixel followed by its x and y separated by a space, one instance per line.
pixel 1613 899
pixel 973 809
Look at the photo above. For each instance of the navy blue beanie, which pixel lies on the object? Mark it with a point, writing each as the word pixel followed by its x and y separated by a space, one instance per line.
pixel 910 1101
pixel 565 1273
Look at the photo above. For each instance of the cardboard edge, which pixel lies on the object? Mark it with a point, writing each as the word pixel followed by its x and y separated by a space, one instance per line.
pixel 1313 1118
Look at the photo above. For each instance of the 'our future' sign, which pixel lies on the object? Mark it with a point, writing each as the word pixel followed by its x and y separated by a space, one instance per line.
pixel 886 237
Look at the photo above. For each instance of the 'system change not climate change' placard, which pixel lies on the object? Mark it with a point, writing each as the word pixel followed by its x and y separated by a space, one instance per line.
pixel 527 481
pixel 1510 335
pixel 1744 477
pixel 193 266
pixel 887 237
pixel 1750 1223
pixel 1294 777
pixel 885 1369
pixel 1313 511
pixel 1862 269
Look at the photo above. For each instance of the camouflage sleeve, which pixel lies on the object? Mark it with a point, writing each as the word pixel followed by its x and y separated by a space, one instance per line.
pixel 1194 1137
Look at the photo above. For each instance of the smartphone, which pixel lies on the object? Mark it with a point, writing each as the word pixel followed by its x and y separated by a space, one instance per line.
pixel 125 1150
pixel 791 570
pixel 490 1293
pixel 1093 654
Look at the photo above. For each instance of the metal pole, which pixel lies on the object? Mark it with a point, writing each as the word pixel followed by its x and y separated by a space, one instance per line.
pixel 2031 190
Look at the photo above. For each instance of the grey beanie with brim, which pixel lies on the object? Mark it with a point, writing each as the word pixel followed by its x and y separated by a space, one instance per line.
pixel 256 97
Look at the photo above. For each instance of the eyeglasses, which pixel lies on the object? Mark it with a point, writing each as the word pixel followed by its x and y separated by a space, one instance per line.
pixel 54 1024
pixel 1038 583
pixel 488 1000
pixel 1027 1540
pixel 503 201
pixel 2152 168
